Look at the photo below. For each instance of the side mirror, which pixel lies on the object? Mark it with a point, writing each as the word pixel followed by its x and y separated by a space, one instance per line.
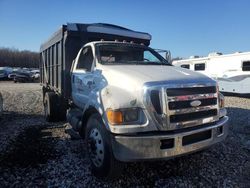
pixel 168 56
pixel 165 53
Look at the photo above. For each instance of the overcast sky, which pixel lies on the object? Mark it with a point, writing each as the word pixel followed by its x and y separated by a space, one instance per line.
pixel 184 27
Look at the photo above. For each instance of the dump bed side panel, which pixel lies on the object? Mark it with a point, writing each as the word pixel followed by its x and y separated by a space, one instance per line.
pixel 51 63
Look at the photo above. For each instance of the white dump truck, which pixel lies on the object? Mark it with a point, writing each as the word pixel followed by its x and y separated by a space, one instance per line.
pixel 126 100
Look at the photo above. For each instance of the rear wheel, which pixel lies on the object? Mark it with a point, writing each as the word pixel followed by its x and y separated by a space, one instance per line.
pixel 61 116
pixel 103 163
pixel 50 103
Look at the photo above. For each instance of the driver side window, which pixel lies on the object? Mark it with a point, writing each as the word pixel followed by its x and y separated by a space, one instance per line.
pixel 86 59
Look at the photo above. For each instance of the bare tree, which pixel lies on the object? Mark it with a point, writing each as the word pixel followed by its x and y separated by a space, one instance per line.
pixel 14 58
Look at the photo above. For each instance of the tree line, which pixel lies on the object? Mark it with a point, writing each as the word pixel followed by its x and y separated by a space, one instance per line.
pixel 15 58
pixel 12 57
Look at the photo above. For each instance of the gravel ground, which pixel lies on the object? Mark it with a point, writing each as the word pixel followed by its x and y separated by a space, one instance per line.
pixel 34 153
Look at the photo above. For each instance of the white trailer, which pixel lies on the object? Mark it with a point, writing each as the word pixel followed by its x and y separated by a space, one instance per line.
pixel 232 71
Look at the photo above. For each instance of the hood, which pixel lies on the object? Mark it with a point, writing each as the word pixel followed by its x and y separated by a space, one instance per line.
pixel 140 74
pixel 124 83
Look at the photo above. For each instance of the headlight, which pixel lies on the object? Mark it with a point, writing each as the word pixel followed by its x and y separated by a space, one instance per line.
pixel 221 100
pixel 123 116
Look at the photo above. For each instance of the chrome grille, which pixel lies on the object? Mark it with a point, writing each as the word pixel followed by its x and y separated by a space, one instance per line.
pixel 174 105
pixel 170 105
pixel 181 112
pixel 190 91
pixel 192 116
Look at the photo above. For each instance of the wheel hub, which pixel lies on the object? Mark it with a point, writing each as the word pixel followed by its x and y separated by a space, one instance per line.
pixel 96 147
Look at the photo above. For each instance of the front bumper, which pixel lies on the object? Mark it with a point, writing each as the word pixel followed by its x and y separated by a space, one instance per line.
pixel 168 145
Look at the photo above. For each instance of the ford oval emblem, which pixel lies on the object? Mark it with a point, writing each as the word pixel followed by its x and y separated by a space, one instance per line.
pixel 195 103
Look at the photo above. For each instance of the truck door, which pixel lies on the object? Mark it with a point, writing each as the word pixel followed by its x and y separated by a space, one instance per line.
pixel 82 77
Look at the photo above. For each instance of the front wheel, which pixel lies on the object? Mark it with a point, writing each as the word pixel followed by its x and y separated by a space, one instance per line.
pixel 103 163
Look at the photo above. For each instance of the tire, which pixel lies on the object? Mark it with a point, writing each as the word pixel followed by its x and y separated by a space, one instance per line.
pixel 103 163
pixel 50 106
pixel 62 110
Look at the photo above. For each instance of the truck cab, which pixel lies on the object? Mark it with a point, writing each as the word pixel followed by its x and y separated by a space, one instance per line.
pixel 131 104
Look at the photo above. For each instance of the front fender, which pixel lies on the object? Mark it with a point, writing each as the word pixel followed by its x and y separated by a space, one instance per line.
pixel 116 98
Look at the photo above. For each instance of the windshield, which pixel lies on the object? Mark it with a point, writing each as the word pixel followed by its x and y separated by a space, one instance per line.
pixel 128 54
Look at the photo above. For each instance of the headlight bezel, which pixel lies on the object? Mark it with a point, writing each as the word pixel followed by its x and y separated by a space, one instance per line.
pixel 121 116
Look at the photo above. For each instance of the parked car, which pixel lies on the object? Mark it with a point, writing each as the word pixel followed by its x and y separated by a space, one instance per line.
pixel 35 74
pixel 23 76
pixel 13 74
pixel 4 72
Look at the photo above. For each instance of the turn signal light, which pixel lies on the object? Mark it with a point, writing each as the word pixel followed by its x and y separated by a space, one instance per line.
pixel 114 117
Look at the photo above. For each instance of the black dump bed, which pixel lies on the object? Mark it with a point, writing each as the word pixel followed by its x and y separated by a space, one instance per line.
pixel 58 53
